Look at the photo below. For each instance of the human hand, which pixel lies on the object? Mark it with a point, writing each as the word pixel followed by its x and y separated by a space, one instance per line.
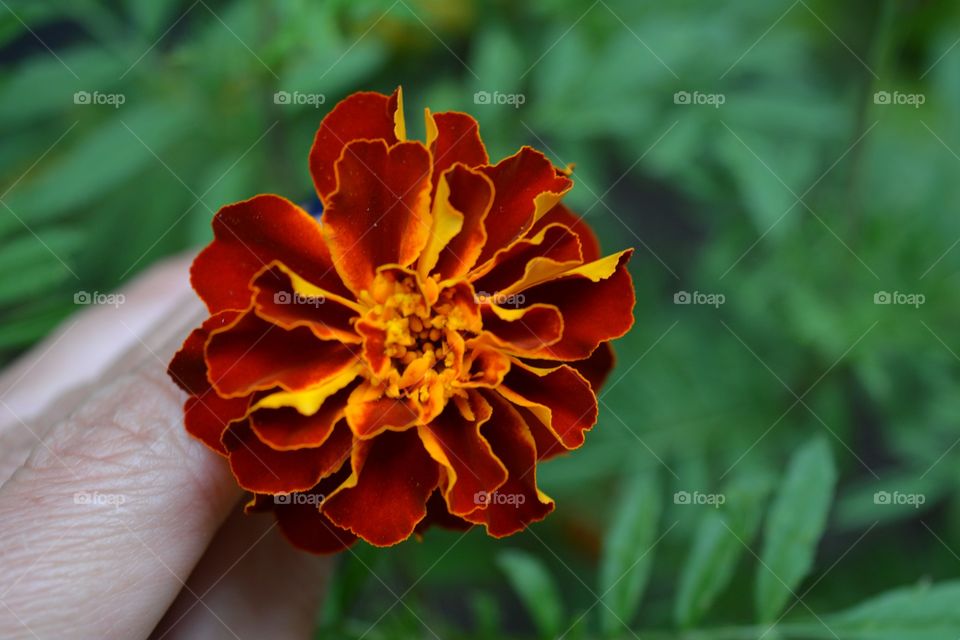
pixel 114 523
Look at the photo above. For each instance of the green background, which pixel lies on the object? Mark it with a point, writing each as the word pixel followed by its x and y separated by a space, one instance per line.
pixel 797 199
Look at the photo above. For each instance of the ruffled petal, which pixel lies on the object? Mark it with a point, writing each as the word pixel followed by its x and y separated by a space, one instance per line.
pixel 528 262
pixel 364 115
pixel 287 428
pixel 525 332
pixel 453 137
pixel 249 235
pixel 253 355
pixel 386 495
pixel 596 301
pixel 456 443
pixel 300 520
pixel 369 413
pixel 439 516
pixel 468 196
pixel 206 414
pixel 261 469
pixel 287 300
pixel 589 244
pixel 598 366
pixel 526 186
pixel 380 212
pixel 518 502
pixel 560 398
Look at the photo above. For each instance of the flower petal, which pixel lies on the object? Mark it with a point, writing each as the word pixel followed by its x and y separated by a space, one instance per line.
pixel 369 413
pixel 517 502
pixel 596 301
pixel 526 332
pixel 249 235
pixel 598 366
pixel 363 115
pixel 262 469
pixel 380 212
pixel 526 186
pixel 438 515
pixel 471 467
pixel 528 262
pixel 290 427
pixel 386 495
pixel 453 137
pixel 560 398
pixel 300 520
pixel 289 301
pixel 206 414
pixel 253 355
pixel 589 244
pixel 470 197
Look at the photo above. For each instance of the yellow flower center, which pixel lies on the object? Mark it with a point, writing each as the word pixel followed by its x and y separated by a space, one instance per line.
pixel 418 334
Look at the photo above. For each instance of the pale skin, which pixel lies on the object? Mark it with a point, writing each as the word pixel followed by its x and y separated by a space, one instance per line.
pixel 114 522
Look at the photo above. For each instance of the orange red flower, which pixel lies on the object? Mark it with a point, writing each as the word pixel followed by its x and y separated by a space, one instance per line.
pixel 410 357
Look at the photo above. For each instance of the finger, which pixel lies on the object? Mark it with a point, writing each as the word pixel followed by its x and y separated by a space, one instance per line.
pixel 99 342
pixel 107 517
pixel 250 584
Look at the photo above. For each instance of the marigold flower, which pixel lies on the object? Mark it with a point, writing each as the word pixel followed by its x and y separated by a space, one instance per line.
pixel 409 358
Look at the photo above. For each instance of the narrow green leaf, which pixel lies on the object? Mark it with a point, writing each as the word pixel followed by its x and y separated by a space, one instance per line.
pixel 536 588
pixel 719 544
pixel 796 522
pixel 917 612
pixel 628 553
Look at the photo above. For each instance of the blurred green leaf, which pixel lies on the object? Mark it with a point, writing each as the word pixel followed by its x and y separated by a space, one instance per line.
pixel 718 545
pixel 920 612
pixel 628 552
pixel 793 528
pixel 534 585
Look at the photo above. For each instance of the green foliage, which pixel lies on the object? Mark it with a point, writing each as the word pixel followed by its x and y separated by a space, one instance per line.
pixel 798 199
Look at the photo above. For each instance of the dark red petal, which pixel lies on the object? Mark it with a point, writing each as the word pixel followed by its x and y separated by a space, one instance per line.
pixel 256 355
pixel 457 140
pixel 562 392
pixel 207 416
pixel 369 414
pixel 518 181
pixel 363 115
pixel 380 212
pixel 588 239
pixel 249 235
pixel 518 502
pixel 538 327
pixel 188 369
pixel 471 467
pixel 286 428
pixel 438 515
pixel 593 312
pixel 598 366
pixel 471 194
pixel 300 520
pixel 558 249
pixel 393 477
pixel 261 469
pixel 277 301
